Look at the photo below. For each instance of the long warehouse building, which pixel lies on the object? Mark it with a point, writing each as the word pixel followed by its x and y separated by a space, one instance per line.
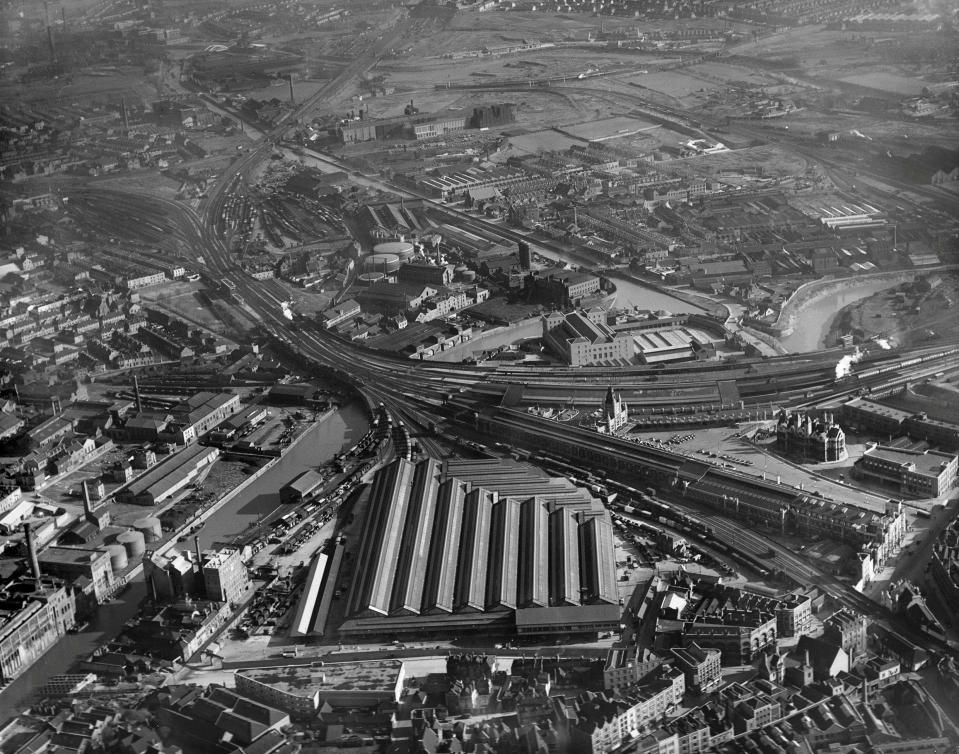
pixel 480 540
pixel 169 476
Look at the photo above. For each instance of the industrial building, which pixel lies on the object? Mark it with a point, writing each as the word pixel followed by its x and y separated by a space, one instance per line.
pixel 301 487
pixel 169 477
pixel 313 608
pixel 563 287
pixel 915 473
pixel 477 544
pixel 225 576
pixel 582 337
pixel 178 631
pixel 34 615
pixel 667 344
pixel 878 417
pixel 200 413
pixel 72 563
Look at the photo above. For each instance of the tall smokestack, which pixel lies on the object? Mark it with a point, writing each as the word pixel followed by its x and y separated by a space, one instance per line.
pixel 63 17
pixel 53 51
pixel 31 551
pixel 292 98
pixel 123 114
pixel 88 513
pixel 136 392
pixel 196 545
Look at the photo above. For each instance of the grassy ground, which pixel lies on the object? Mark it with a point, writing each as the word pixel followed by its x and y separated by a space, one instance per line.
pixel 892 314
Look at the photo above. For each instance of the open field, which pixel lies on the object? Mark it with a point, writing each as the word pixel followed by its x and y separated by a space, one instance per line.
pixel 216 143
pixel 543 141
pixel 676 84
pixel 569 61
pixel 774 161
pixel 600 130
pixel 145 181
pixel 84 89
pixel 182 299
pixel 302 90
pixel 887 82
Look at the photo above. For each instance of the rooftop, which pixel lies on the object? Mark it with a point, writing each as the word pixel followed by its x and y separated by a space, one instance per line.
pixel 928 461
pixel 72 555
pixel 878 408
pixel 370 675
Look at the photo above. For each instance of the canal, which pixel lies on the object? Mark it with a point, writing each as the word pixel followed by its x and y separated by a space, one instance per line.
pixel 326 438
pixel 340 430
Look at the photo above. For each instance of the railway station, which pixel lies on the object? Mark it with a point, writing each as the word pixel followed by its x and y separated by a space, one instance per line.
pixel 478 544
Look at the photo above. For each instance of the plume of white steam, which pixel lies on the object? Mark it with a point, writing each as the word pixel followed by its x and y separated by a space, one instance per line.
pixel 844 365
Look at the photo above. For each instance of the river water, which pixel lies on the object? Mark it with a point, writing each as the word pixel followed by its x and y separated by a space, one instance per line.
pixel 814 317
pixel 338 431
pixel 628 293
pixel 342 428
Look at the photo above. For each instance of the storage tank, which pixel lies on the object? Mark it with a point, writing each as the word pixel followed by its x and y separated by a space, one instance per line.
pixel 149 527
pixel 134 542
pixel 118 557
pixel 468 277
pixel 381 263
pixel 370 278
pixel 402 250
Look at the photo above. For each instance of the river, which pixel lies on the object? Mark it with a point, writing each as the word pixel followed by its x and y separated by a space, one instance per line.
pixel 341 429
pixel 815 316
pixel 628 293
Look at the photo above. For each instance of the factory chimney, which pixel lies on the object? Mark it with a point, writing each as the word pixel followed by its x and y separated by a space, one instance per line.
pixel 196 545
pixel 292 98
pixel 53 51
pixel 136 392
pixel 88 513
pixel 63 17
pixel 123 114
pixel 31 551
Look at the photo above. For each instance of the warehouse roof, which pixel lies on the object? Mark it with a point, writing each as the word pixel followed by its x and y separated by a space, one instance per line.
pixel 170 472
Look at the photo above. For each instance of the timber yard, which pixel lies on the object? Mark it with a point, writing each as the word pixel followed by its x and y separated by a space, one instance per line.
pixel 479 376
